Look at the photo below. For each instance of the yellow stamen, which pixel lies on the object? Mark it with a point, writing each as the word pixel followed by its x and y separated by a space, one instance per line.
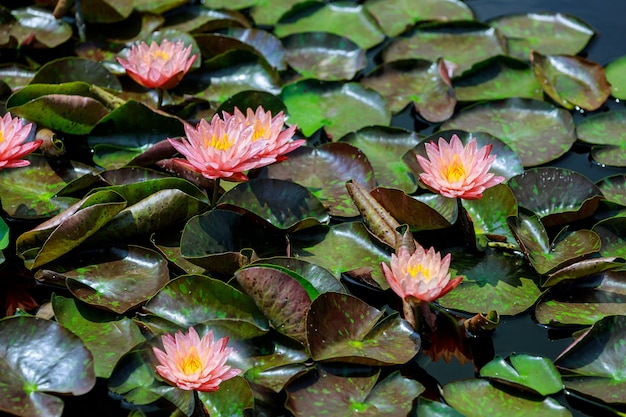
pixel 160 55
pixel 220 143
pixel 455 171
pixel 1 136
pixel 192 363
pixel 259 131
pixel 414 270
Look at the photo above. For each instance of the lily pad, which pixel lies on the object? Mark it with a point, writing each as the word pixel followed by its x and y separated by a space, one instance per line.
pixel 193 299
pixel 384 148
pixel 425 84
pixel 70 69
pixel 106 11
pixel 284 204
pixel 343 328
pixel 489 214
pixel 268 45
pixel 339 108
pixel 557 195
pixel 571 81
pixel 323 56
pixel 395 16
pixel 548 33
pixel 106 337
pixel 266 13
pixel 615 76
pixel 347 396
pixel 613 188
pixel 460 43
pixel 472 397
pixel 321 279
pixel 324 171
pixel 605 132
pixel 199 19
pixel 232 399
pixel 612 233
pixel 48 30
pixel 534 372
pixel 351 21
pixel 40 356
pixel 537 131
pixel 597 361
pixel 494 281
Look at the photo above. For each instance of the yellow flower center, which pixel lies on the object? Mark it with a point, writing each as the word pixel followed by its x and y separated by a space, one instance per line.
pixel 192 363
pixel 160 55
pixel 414 270
pixel 259 131
pixel 220 143
pixel 1 136
pixel 455 171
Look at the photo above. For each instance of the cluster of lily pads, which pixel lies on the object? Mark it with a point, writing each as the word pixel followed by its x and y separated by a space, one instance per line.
pixel 107 245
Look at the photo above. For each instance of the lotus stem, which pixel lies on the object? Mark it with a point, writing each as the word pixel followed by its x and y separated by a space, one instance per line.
pixel 409 313
pixel 216 192
pixel 80 23
pixel 198 406
pixel 467 226
pixel 482 323
pixel 160 93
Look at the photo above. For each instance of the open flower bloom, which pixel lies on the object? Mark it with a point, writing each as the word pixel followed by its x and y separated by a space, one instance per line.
pixel 456 171
pixel 421 274
pixel 192 363
pixel 158 66
pixel 12 146
pixel 225 148
pixel 277 141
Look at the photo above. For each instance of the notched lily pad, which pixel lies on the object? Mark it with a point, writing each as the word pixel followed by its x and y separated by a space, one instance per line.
pixel 606 132
pixel 534 372
pixel 612 233
pixel 323 56
pixel 70 69
pixel 613 188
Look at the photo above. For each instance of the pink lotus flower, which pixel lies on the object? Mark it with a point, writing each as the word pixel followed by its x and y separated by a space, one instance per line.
pixel 277 141
pixel 225 148
pixel 456 171
pixel 421 274
pixel 194 364
pixel 12 146
pixel 158 66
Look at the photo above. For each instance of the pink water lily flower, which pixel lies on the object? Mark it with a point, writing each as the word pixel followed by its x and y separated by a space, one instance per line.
pixel 192 363
pixel 277 141
pixel 453 170
pixel 421 274
pixel 158 66
pixel 12 146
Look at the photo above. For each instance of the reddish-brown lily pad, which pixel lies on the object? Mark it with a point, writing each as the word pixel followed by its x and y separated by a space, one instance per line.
pixel 613 188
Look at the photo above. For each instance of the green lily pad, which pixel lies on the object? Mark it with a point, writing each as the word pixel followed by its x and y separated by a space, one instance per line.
pixel 557 195
pixel 545 256
pixel 384 148
pixel 70 69
pixel 474 397
pixel 425 84
pixel 284 204
pixel 106 11
pixel 321 279
pixel 428 408
pixel 266 13
pixel 40 356
pixel 48 30
pixel 253 99
pixel 351 21
pixel 613 188
pixel 265 43
pixel 106 337
pixel 498 78
pixel 489 214
pixel 29 192
pixel 605 132
pixel 494 281
pixel 199 19
pixel 612 233
pixel 4 236
pixel 323 56
pixel 548 33
pixel 343 328
pixel 571 81
pixel 534 372
pixel 461 43
pixel 395 16
pixel 584 303
pixel 347 396
pixel 283 299
pixel 329 247
pixel 193 299
pixel 233 397
pixel 584 268
pixel 596 360
pixel 324 171
pixel 16 76
pixel 615 77
pixel 537 131
pixel 339 108
pixel 158 7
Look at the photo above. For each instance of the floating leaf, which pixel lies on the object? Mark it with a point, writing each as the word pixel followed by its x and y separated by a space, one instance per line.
pixel 106 337
pixel 557 195
pixel 265 43
pixel 48 30
pixel 472 397
pixel 395 16
pixel 596 360
pixel 537 131
pixel 70 69
pixel 351 21
pixel 571 81
pixel 548 33
pixel 489 214
pixel 461 43
pixel 324 171
pixel 233 397
pixel 606 131
pixel 321 279
pixel 612 233
pixel 39 356
pixel 266 13
pixel 613 188
pixel 534 372
pixel 343 328
pixel 339 108
pixel 199 19
pixel 425 84
pixel 493 281
pixel 428 408
pixel 323 56
pixel 615 71
pixel 347 396
pixel 106 11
